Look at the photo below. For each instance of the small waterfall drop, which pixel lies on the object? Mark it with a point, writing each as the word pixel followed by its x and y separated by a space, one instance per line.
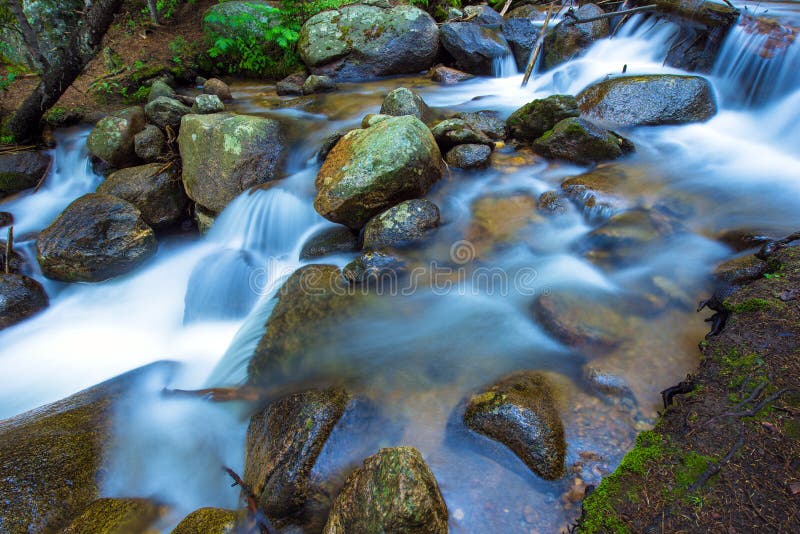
pixel 504 66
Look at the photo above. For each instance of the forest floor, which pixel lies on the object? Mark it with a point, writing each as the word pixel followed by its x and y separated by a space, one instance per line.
pixel 726 457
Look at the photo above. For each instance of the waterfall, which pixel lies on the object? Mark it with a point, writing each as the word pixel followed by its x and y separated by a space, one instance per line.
pixel 504 66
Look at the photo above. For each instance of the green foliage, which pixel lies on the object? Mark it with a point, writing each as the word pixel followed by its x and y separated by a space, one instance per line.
pixel 6 139
pixel 6 80
pixel 166 8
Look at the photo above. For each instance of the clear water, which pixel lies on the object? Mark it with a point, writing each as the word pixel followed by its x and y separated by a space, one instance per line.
pixel 203 301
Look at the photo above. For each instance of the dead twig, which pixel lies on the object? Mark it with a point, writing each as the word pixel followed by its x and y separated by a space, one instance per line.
pixel 258 522
pixel 505 8
pixel 538 48
pixel 758 407
pixel 610 15
pixel 40 183
pixel 249 394
pixel 9 249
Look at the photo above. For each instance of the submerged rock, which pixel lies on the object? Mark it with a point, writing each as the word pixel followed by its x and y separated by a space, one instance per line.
pixel 452 132
pixel 474 48
pixel 532 120
pixel 22 170
pixel 449 76
pixel 552 203
pixel 407 222
pixel 224 154
pixel 403 101
pixel 741 270
pixel 498 220
pixel 112 139
pixel 649 100
pixel 370 170
pixel 95 238
pixel 568 40
pixel 20 298
pixel 519 411
pixel 209 521
pixel 375 269
pixel 318 84
pixel 627 236
pixel 116 516
pixel 339 239
pixel 358 41
pixel 469 156
pixel 394 491
pixel 156 191
pixel 150 143
pixel 283 443
pixel 582 142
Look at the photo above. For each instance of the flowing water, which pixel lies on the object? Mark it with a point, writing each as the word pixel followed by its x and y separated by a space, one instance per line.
pixel 203 301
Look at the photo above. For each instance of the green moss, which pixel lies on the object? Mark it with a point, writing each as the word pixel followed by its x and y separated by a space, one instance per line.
pixel 691 467
pixel 753 305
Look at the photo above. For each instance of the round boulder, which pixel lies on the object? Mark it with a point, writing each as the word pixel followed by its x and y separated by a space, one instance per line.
pixel 208 521
pixel 474 47
pixel 155 190
pixel 403 101
pixel 95 238
pixel 116 515
pixel 407 222
pixel 469 156
pixel 22 170
pixel 648 100
pixel 568 40
pixel 534 118
pixel 112 139
pixel 339 239
pixel 452 132
pixel 150 143
pixel 205 104
pixel 20 298
pixel 582 142
pixel 166 112
pixel 393 491
pixel 372 169
pixel 449 76
pixel 215 86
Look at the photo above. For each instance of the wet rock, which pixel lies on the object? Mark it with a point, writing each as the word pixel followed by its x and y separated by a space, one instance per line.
pixel 449 76
pixel 116 516
pixel 16 263
pixel 696 47
pixel 157 192
pixel 203 218
pixel 370 170
pixel 486 121
pixel 358 42
pixel 705 12
pixel 95 238
pixel 339 239
pixel 452 132
pixel 20 298
pixel 394 491
pixel 375 269
pixel 596 190
pixel 283 443
pixel 607 383
pixel 740 270
pixel 292 84
pixel 532 120
pixel 22 170
pixel 224 154
pixel 648 100
pixel 51 457
pixel 740 239
pixel 567 41
pixel 112 139
pixel 580 320
pixel 521 35
pixel 552 203
pixel 473 47
pixel 166 113
pixel 318 84
pixel 403 101
pixel 627 235
pixel 204 104
pixel 404 223
pixel 150 143
pixel 469 156
pixel 582 142
pixel 483 14
pixel 6 219
pixel 499 219
pixel 330 141
pixel 527 11
pixel 519 411
pixel 209 521
pixel 371 119
pixel 215 86
pixel 158 89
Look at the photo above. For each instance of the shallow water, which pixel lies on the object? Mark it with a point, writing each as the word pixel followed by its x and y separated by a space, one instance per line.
pixel 203 301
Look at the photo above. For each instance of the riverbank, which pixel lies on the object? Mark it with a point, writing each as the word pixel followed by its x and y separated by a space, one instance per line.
pixel 725 457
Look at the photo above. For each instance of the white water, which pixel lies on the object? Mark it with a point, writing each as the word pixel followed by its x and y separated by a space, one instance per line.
pixel 204 301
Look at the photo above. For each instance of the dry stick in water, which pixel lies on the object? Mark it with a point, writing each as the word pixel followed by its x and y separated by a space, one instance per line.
pixel 260 523
pixel 505 8
pixel 538 49
pixel 610 15
pixel 9 249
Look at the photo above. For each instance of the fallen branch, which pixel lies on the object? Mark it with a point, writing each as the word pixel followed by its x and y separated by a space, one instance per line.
pixel 9 249
pixel 505 8
pixel 713 469
pixel 258 521
pixel 626 12
pixel 753 395
pixel 40 183
pixel 758 407
pixel 538 49
pixel 249 394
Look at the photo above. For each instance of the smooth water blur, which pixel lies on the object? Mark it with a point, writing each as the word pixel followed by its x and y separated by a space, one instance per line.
pixel 204 300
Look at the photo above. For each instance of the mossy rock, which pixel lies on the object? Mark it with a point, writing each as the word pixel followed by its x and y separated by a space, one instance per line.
pixel 20 298
pixel 166 112
pixel 567 41
pixel 740 270
pixel 22 170
pixel 318 84
pixel 537 117
pixel 405 223
pixel 50 457
pixel 370 170
pixel 209 521
pixel 582 142
pixel 404 101
pixel 473 47
pixel 117 516
pixel 453 132
pixel 339 239
pixel 486 121
pixel 519 411
pixel 394 491
pixel 469 156
pixel 112 139
pixel 375 269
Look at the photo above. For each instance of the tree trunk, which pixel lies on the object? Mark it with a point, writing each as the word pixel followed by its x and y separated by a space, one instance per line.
pixel 151 5
pixel 67 62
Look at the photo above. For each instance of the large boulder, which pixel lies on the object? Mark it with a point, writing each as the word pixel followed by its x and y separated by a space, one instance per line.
pixel 568 40
pixel 22 170
pixel 283 443
pixel 95 238
pixel 403 101
pixel 156 190
pixel 117 516
pixel 521 35
pixel 112 139
pixel 533 119
pixel 648 100
pixel 407 222
pixel 51 457
pixel 224 154
pixel 582 142
pixel 474 48
pixel 166 113
pixel 394 491
pixel 360 41
pixel 519 411
pixel 370 170
pixel 20 298
pixel 209 521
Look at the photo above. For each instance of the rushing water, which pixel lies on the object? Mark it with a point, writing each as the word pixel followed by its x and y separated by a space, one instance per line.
pixel 203 301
